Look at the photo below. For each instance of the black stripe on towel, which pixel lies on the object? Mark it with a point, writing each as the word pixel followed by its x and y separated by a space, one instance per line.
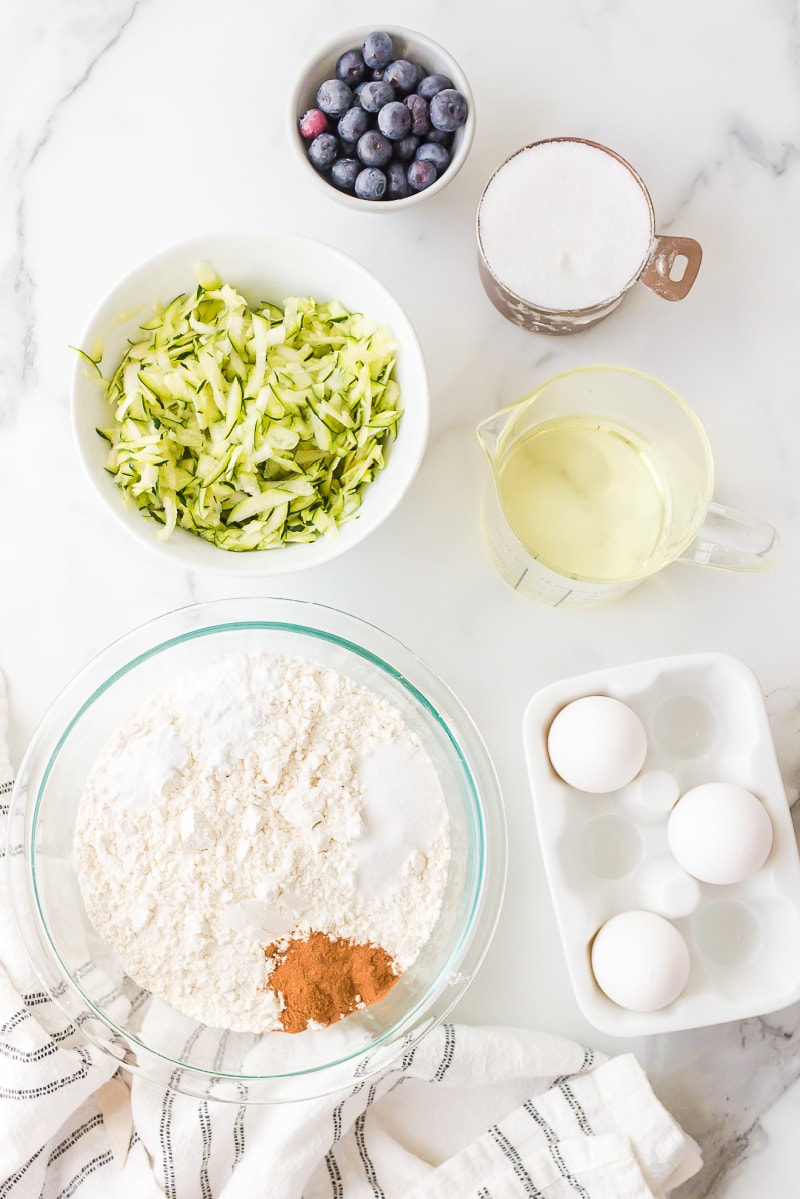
pixel 11 1023
pixel 238 1128
pixel 337 1122
pixel 63 1034
pixel 59 1150
pixel 335 1175
pixel 577 1110
pixel 566 1090
pixel 165 1123
pixel 164 1135
pixel 510 1151
pixel 139 998
pixel 28 1055
pixel 449 1053
pixel 105 1000
pixel 97 1163
pixel 94 1121
pixel 85 968
pixel 363 1152
pixel 337 1111
pixel 20 1016
pixel 404 1065
pixel 14 1178
pixel 35 998
pixel 206 1127
pixel 408 1058
pixel 586 1064
pixel 205 1132
pixel 555 1150
pixel 50 1088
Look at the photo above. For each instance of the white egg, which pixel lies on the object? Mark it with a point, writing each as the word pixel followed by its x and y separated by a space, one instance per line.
pixel 720 833
pixel 597 744
pixel 640 961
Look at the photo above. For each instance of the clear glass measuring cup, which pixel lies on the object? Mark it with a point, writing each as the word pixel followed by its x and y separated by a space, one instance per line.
pixel 601 477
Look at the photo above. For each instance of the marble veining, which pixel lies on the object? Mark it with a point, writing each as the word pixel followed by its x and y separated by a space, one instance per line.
pixel 130 125
pixel 30 139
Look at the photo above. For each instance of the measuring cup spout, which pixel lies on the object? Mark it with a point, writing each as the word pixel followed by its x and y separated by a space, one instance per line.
pixel 489 432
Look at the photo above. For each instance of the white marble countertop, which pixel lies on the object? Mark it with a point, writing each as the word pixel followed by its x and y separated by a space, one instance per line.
pixel 131 124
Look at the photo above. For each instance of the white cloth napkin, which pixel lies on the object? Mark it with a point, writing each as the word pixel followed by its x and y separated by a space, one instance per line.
pixel 469 1113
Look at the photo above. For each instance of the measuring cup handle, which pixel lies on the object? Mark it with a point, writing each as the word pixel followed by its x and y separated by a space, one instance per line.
pixel 732 540
pixel 657 274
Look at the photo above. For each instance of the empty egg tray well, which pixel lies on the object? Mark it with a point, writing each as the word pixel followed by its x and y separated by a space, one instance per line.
pixel 706 721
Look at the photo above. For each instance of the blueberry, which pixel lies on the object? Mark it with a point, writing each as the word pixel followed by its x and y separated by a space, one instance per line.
pixel 421 175
pixel 354 122
pixel 374 95
pixel 312 123
pixel 344 173
pixel 402 75
pixel 378 49
pixel 448 110
pixel 439 136
pixel 394 120
pixel 370 184
pixel 434 153
pixel 406 148
pixel 431 84
pixel 397 185
pixel 334 97
pixel 323 150
pixel 374 149
pixel 350 67
pixel 377 73
pixel 418 107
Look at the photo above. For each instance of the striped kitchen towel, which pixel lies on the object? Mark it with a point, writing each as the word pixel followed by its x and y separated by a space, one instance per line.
pixel 467 1113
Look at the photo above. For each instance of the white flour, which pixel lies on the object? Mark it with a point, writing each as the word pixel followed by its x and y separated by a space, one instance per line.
pixel 255 797
pixel 565 225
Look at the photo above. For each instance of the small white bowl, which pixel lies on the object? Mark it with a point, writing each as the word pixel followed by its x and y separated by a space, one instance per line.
pixel 263 266
pixel 407 44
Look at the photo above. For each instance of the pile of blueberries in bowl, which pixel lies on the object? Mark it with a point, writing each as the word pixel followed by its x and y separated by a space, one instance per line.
pixel 387 119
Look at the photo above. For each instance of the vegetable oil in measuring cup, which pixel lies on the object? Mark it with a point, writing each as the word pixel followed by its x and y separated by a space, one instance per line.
pixel 584 498
pixel 599 478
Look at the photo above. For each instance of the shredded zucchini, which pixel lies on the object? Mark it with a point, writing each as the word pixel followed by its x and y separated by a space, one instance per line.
pixel 252 428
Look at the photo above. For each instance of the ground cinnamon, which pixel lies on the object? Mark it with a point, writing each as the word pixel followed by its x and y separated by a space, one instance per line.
pixel 324 978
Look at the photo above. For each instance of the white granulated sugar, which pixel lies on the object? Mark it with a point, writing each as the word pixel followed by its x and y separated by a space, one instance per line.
pixel 254 798
pixel 565 226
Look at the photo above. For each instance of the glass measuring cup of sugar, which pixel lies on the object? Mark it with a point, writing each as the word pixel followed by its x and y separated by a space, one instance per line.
pixel 601 477
pixel 565 228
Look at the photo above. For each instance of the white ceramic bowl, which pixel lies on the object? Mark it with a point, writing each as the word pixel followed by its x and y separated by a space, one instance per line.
pixel 407 44
pixel 263 266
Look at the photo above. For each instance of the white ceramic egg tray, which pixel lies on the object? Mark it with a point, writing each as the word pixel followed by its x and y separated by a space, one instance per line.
pixel 706 721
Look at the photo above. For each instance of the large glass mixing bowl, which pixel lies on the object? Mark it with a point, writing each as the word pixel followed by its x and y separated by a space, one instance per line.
pixel 138 1028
